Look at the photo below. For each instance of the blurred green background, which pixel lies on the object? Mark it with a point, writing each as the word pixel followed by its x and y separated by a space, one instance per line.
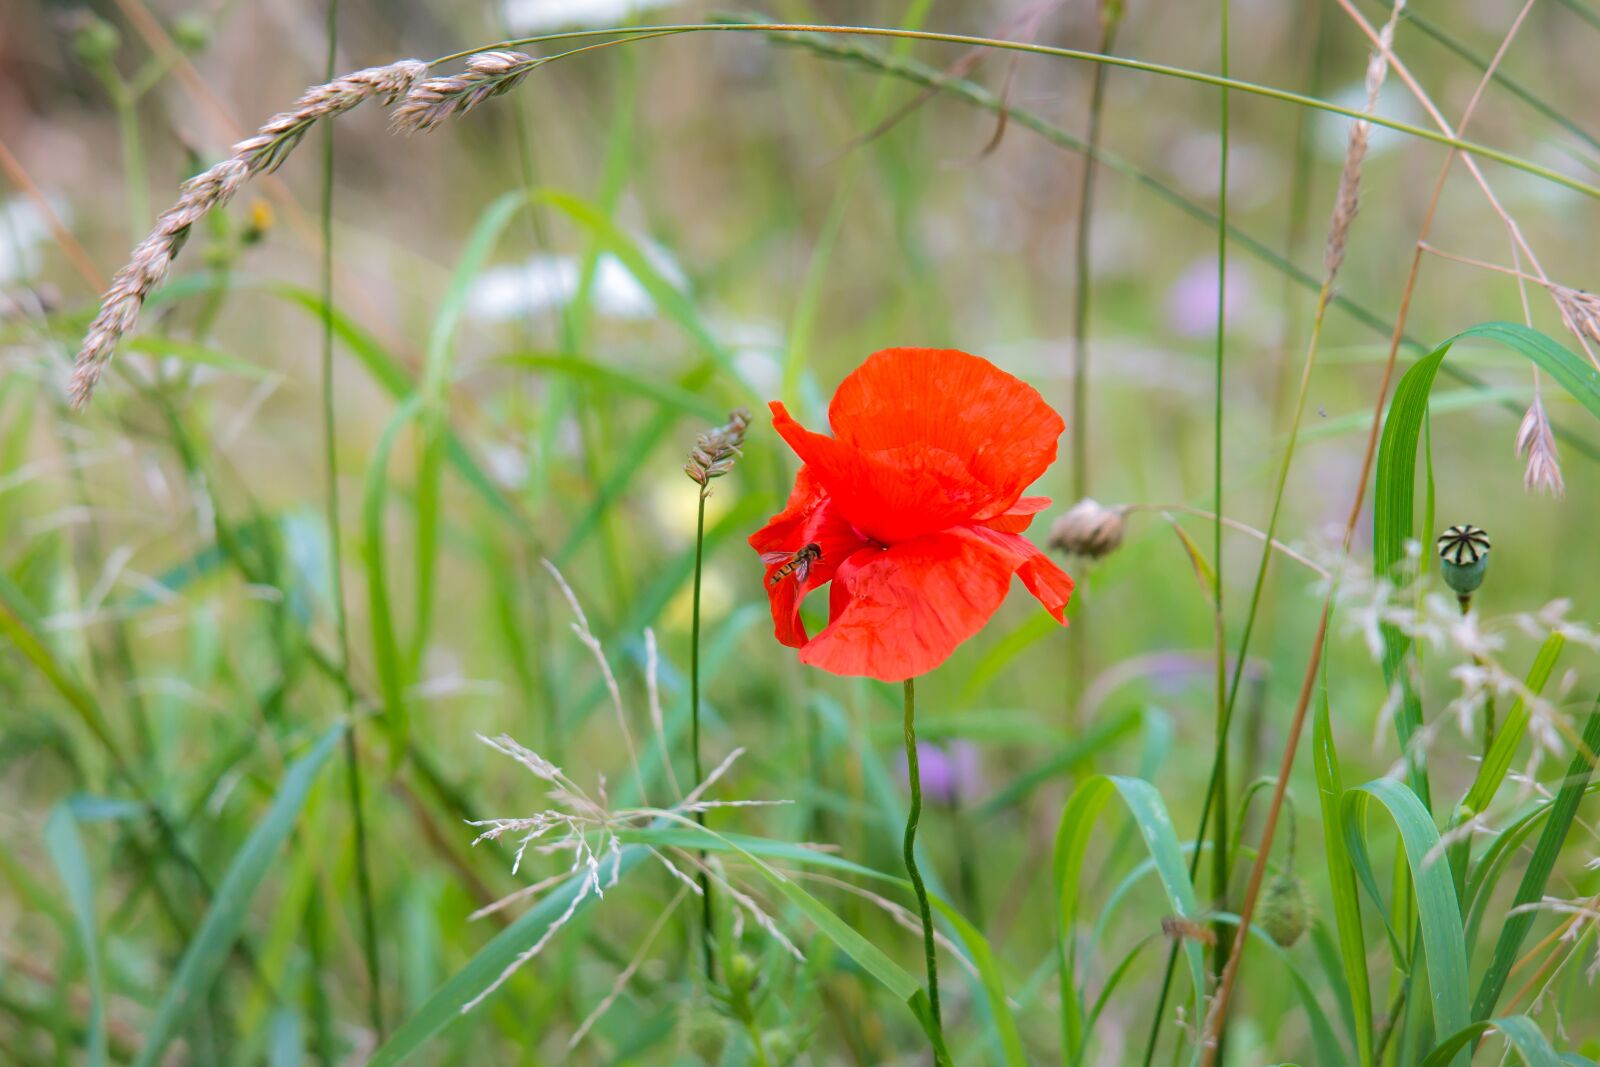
pixel 714 221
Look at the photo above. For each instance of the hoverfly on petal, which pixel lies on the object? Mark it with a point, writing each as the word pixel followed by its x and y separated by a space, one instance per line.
pixel 796 563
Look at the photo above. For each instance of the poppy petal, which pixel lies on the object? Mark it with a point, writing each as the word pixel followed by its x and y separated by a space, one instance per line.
pixel 889 495
pixel 998 425
pixel 1049 584
pixel 901 611
pixel 808 518
pixel 1020 516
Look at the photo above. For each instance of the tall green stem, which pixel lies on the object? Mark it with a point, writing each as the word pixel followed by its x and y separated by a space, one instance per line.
pixel 912 818
pixel 1080 309
pixel 352 754
pixel 694 730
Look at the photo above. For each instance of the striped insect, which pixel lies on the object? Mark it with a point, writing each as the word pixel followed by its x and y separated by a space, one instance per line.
pixel 1463 545
pixel 795 563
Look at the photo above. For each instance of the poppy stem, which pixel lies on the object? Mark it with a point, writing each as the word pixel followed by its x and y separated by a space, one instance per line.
pixel 694 732
pixel 911 861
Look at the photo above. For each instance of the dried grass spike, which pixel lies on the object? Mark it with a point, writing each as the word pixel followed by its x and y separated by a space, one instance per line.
pixel 210 189
pixel 1538 441
pixel 437 99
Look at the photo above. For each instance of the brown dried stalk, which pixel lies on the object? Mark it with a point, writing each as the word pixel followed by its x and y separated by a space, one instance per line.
pixel 488 74
pixel 257 155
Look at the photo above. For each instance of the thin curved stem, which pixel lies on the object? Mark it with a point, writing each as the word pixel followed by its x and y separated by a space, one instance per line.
pixel 352 752
pixel 1161 69
pixel 912 817
pixel 694 734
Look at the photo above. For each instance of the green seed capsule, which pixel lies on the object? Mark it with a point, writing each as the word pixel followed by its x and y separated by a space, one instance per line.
pixel 1464 558
pixel 1285 910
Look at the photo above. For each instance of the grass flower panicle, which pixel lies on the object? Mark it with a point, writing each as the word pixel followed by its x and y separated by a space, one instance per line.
pixel 716 450
pixel 211 189
pixel 436 100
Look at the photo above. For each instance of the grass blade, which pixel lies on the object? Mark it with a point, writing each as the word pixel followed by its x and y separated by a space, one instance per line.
pixel 71 861
pixel 1498 759
pixel 1517 923
pixel 1076 828
pixel 1519 1031
pixel 1443 939
pixel 449 1001
pixel 203 958
pixel 1342 880
pixel 1394 519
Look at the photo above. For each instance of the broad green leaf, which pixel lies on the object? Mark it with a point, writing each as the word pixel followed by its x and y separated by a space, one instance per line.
pixel 1438 913
pixel 1520 1032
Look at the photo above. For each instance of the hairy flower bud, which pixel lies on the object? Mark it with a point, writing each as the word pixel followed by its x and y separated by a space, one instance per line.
pixel 1285 910
pixel 1089 529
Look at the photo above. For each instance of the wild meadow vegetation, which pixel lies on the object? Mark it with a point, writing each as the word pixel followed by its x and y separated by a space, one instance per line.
pixel 554 549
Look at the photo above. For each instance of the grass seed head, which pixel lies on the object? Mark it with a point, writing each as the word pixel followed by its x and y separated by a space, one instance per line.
pixel 716 450
pixel 211 189
pixel 487 74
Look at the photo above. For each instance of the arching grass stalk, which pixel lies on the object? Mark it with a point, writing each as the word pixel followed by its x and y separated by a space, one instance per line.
pixel 330 445
pixel 1160 69
pixel 912 818
pixel 961 89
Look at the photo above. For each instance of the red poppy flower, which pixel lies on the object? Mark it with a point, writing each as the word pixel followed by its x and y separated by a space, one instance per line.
pixel 914 512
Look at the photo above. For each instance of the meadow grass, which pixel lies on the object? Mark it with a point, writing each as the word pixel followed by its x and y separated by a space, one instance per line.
pixel 382 692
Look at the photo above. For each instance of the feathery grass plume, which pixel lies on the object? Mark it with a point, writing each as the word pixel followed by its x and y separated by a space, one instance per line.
pixel 716 450
pixel 437 99
pixel 260 154
pixel 1089 529
pixel 1536 438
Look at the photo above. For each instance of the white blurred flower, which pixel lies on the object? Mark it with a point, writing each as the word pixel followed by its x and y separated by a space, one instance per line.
pixel 547 281
pixel 536 16
pixel 22 230
pixel 1332 132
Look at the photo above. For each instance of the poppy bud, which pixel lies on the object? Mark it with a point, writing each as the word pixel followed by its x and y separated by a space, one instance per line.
pixel 1464 559
pixel 1285 911
pixel 1089 529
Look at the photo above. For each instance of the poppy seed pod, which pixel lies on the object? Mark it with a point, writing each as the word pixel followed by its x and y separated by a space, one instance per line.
pixel 1464 559
pixel 1089 529
pixel 1285 910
